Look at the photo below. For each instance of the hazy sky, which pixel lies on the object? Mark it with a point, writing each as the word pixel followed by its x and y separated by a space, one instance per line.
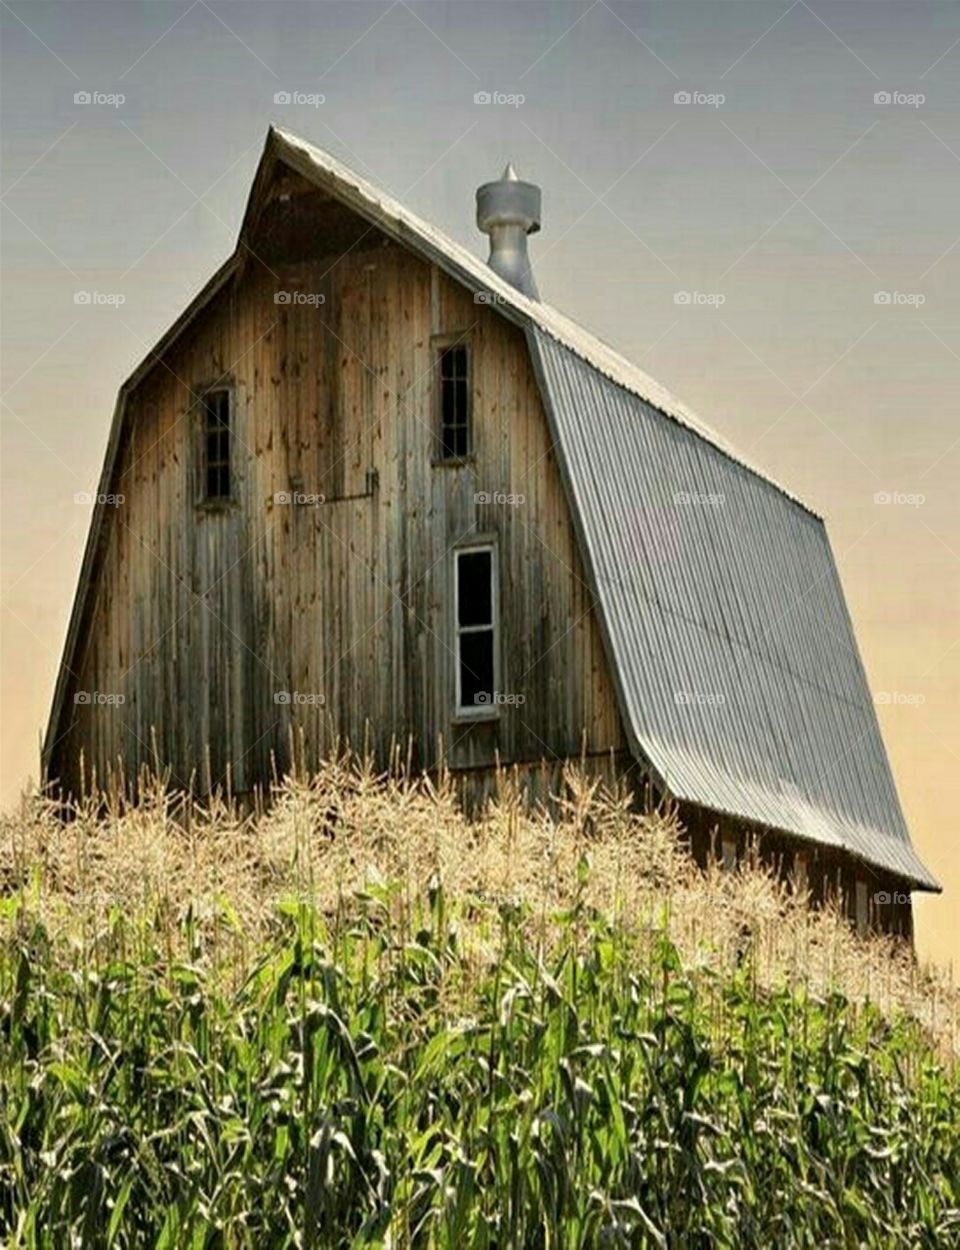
pixel 811 180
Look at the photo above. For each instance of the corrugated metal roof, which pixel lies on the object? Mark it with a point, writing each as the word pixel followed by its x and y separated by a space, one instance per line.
pixel 734 655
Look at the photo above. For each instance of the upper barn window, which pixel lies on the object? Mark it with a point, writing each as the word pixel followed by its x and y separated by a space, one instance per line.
pixel 217 480
pixel 453 368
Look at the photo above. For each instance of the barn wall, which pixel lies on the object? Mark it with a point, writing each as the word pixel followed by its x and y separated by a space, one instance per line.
pixel 830 875
pixel 202 616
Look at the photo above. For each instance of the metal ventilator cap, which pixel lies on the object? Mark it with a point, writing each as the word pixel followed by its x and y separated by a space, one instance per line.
pixel 508 210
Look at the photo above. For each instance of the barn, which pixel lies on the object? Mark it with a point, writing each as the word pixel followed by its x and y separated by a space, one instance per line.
pixel 371 488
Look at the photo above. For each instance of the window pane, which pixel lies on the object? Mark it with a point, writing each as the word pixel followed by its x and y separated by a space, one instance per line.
pixel 476 669
pixel 216 444
pixel 475 588
pixel 217 408
pixel 455 441
pixel 454 402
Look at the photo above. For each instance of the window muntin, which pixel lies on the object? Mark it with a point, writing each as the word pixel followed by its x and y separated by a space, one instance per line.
pixel 477 628
pixel 216 479
pixel 453 369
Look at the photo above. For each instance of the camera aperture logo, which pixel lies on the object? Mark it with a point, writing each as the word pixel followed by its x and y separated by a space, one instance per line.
pixel 108 501
pixel 497 698
pixel 899 498
pixel 509 99
pixel 312 299
pixel 298 499
pixel 99 299
pixel 893 299
pixel 312 99
pixel 499 497
pixel 900 99
pixel 699 299
pixel 700 99
pixel 103 99
pixel 899 698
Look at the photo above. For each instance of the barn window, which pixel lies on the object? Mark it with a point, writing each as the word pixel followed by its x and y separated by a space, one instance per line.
pixel 476 630
pixel 453 368
pixel 217 483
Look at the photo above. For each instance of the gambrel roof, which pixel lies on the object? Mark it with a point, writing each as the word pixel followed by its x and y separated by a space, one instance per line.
pixel 734 658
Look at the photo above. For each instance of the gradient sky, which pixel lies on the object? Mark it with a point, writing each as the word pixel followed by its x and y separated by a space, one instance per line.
pixel 797 197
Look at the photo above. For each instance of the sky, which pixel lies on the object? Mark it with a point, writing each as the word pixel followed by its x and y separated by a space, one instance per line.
pixel 755 201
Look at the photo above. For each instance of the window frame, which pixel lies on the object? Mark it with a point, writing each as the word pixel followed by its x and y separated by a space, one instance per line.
pixel 205 500
pixel 439 344
pixel 476 711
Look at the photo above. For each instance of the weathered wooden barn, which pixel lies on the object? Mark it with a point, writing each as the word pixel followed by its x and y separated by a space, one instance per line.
pixel 370 487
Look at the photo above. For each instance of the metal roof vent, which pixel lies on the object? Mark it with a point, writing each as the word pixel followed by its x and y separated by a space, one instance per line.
pixel 509 210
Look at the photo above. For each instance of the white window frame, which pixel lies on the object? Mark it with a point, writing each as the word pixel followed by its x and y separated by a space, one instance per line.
pixel 476 711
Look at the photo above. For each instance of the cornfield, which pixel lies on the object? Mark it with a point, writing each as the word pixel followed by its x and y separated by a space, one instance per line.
pixel 356 1019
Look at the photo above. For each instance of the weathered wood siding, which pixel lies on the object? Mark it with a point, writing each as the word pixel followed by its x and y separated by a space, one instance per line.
pixel 203 616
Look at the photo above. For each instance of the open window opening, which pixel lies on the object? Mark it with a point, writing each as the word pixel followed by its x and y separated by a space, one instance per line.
pixel 217 481
pixel 453 367
pixel 476 630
